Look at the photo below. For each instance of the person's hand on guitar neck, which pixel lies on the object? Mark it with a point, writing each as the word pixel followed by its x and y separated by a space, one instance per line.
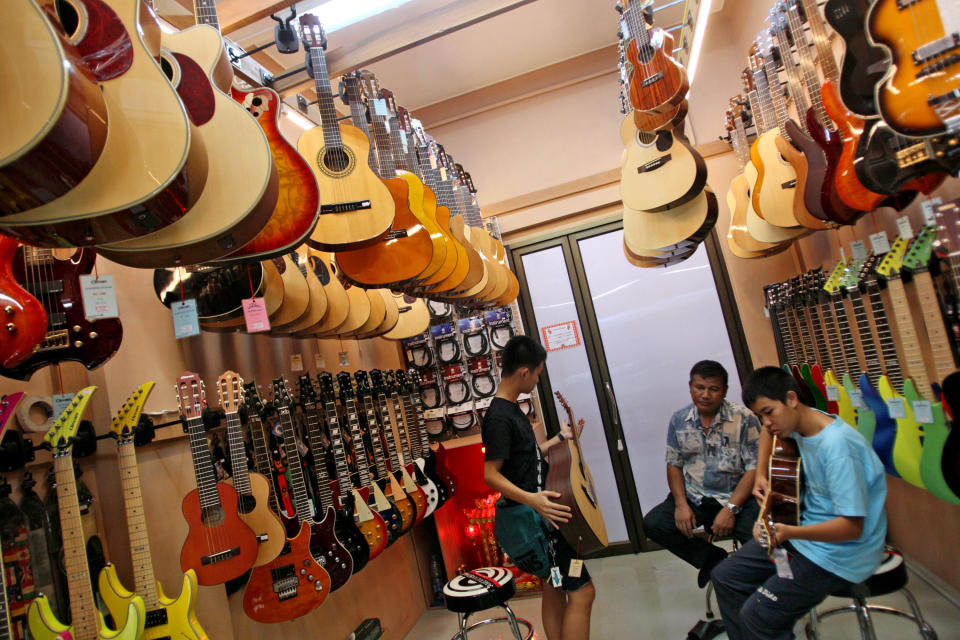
pixel 567 432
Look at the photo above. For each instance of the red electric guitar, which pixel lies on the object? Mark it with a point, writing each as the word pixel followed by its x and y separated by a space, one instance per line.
pixel 25 317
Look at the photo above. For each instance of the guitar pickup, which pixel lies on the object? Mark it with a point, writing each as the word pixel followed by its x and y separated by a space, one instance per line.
pixel 938 65
pixel 944 98
pixel 220 556
pixel 936 48
pixel 914 154
pixel 345 207
pixel 155 618
pixel 655 164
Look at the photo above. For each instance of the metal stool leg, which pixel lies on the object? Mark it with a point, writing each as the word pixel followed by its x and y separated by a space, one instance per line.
pixel 462 634
pixel 512 621
pixel 926 631
pixel 709 593
pixel 813 626
pixel 865 620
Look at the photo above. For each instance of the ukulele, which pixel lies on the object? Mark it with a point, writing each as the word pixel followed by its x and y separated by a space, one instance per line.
pixel 647 121
pixel 86 621
pixel 293 584
pixel 360 208
pixel 781 502
pixel 253 489
pixel 219 545
pixel 570 476
pixel 659 82
pixel 165 617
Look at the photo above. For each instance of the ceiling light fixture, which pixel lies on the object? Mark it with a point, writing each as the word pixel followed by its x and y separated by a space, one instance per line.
pixel 337 14
pixel 298 118
pixel 703 15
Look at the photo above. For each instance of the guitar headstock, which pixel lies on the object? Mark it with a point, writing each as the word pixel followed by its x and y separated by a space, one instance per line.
pixel 389 381
pixel 252 399
pixel 125 422
pixel 345 387
pixel 566 408
pixel 833 282
pixel 369 84
pixel 325 382
pixel 403 120
pixel 230 391
pixel 191 395
pixel 892 260
pixel 350 90
pixel 403 383
pixel 311 32
pixel 387 96
pixel 921 250
pixel 281 393
pixel 415 381
pixel 61 434
pixel 363 383
pixel 855 272
pixel 308 394
pixel 376 381
pixel 948 228
pixel 7 406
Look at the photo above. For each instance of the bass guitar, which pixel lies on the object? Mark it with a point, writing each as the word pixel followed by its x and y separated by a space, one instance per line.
pixel 86 621
pixel 781 502
pixel 570 476
pixel 165 617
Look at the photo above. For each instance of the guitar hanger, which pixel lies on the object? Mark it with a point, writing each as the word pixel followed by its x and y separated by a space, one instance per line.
pixel 285 38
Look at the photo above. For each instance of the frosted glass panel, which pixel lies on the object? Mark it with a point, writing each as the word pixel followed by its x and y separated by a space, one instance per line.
pixel 655 324
pixel 553 306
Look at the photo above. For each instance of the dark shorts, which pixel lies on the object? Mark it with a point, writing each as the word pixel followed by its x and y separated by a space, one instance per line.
pixel 564 554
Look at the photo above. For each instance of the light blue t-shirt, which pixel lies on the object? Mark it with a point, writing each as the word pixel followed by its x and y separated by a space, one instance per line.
pixel 843 477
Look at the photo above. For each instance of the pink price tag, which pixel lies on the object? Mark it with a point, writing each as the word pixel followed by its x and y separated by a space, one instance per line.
pixel 255 315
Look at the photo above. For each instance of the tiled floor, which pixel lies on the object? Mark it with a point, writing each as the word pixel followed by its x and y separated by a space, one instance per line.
pixel 654 595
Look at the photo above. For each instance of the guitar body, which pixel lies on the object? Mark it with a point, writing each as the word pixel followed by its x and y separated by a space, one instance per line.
pixel 831 144
pixel 782 504
pixel 774 192
pixel 337 539
pixel 98 339
pixel 43 623
pixel 800 159
pixel 358 310
pixel 863 63
pixel 379 502
pixel 298 204
pixel 885 427
pixel 370 523
pixel 60 134
pixel 346 175
pixel 456 252
pixel 819 401
pixel 426 485
pixel 570 476
pixel 866 421
pixel 844 406
pixel 902 95
pixel 255 512
pixel 338 304
pixel 223 532
pixel 444 259
pixel 688 222
pixel 477 272
pixel 413 320
pixel 378 312
pixel 651 122
pixel 816 374
pixel 432 471
pixel 950 462
pixel 278 592
pixel 658 171
pixel 180 613
pixel 877 167
pixel 296 294
pixel 658 82
pixel 908 440
pixel 415 491
pixel 931 468
pixel 317 308
pixel 24 312
pixel 402 503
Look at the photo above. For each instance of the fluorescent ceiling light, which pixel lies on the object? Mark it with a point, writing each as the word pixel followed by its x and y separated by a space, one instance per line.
pixel 298 118
pixel 337 14
pixel 702 16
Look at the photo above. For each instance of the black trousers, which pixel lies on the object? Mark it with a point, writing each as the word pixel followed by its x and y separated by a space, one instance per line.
pixel 660 526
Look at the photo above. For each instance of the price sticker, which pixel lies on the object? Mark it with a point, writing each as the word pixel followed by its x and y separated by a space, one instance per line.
pixel 928 207
pixel 319 360
pixel 833 393
pixel 255 315
pixel 555 578
pixel 99 297
pixel 344 360
pixel 60 402
pixel 879 242
pixel 782 562
pixel 185 321
pixel 380 107
pixel 897 408
pixel 922 411
pixel 296 362
pixel 859 250
pixel 843 256
pixel 576 568
pixel 904 228
pixel 766 311
pixel 856 398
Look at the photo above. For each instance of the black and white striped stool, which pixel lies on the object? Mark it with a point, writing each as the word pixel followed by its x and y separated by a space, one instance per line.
pixel 481 589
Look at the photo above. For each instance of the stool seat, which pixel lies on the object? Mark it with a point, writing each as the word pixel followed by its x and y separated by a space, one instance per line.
pixel 479 589
pixel 889 577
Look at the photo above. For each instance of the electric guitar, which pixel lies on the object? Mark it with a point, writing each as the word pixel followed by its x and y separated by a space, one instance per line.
pixel 26 318
pixel 932 461
pixel 164 617
pixel 7 406
pixel 219 545
pixel 908 440
pixel 411 445
pixel 885 426
pixel 425 459
pixel 86 621
pixel 440 473
pixel 863 63
pixel 923 294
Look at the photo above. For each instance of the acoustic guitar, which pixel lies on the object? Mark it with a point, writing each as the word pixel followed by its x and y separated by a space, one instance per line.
pixel 317 307
pixel 165 617
pixel 781 503
pixel 413 319
pixel 570 476
pixel 296 294
pixel 338 302
pixel 658 171
pixel 86 621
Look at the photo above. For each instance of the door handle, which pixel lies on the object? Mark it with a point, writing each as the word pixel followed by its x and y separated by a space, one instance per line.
pixel 613 401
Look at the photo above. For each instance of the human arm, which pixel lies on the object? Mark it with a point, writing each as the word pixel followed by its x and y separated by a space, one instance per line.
pixel 839 529
pixel 683 516
pixel 760 482
pixel 567 433
pixel 724 522
pixel 540 501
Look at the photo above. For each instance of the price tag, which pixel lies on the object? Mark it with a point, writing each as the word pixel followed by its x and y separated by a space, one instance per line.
pixel 60 402
pixel 843 256
pixel 185 321
pixel 576 568
pixel 897 408
pixel 858 249
pixel 782 562
pixel 555 578
pixel 380 107
pixel 99 297
pixel 922 411
pixel 319 360
pixel 904 228
pixel 879 242
pixel 833 394
pixel 296 362
pixel 928 206
pixel 344 360
pixel 856 398
pixel 255 315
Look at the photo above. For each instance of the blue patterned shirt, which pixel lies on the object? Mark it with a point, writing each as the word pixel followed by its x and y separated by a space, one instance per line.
pixel 713 460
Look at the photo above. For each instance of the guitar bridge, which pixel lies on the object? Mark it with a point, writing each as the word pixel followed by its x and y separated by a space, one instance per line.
pixel 220 556
pixel 55 340
pixel 914 154
pixel 285 581
pixel 345 207
pixel 649 80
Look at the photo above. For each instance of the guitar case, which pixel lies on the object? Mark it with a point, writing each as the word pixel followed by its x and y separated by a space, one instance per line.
pixel 21 589
pixel 38 523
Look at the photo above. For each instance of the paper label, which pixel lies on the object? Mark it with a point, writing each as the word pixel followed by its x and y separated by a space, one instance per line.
pixel 833 393
pixel 922 411
pixel 555 578
pixel 296 362
pixel 562 335
pixel 433 414
pixel 843 256
pixel 185 321
pixel 344 359
pixel 766 311
pixel 441 330
pixel 904 228
pixel 483 403
pixel 928 206
pixel 576 568
pixel 856 398
pixel 897 408
pixel 99 297
pixel 319 360
pixel 858 249
pixel 380 107
pixel 879 242
pixel 255 315
pixel 60 402
pixel 782 562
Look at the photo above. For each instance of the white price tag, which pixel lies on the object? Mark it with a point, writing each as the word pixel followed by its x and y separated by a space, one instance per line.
pixel 904 228
pixel 319 360
pixel 99 297
pixel 60 402
pixel 185 321
pixel 922 411
pixel 782 561
pixel 858 249
pixel 833 394
pixel 879 242
pixel 296 362
pixel 843 256
pixel 928 206
pixel 576 568
pixel 344 360
pixel 856 398
pixel 431 414
pixel 380 107
pixel 897 408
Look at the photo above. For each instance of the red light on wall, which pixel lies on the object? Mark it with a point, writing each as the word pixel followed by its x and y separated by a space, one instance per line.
pixel 483 449
pixel 471 530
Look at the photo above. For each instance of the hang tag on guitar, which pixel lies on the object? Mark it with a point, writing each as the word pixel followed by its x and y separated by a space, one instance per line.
pixel 859 250
pixel 319 360
pixel 782 561
pixel 99 297
pixel 344 359
pixel 922 411
pixel 833 394
pixel 928 207
pixel 555 578
pixel 879 242
pixel 60 402
pixel 856 398
pixel 897 408
pixel 296 362
pixel 904 228
pixel 255 315
pixel 576 568
pixel 185 321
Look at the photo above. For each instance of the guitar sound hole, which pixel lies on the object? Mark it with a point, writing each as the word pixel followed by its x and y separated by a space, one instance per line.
pixel 212 516
pixel 69 18
pixel 167 68
pixel 247 503
pixel 336 160
pixel 645 53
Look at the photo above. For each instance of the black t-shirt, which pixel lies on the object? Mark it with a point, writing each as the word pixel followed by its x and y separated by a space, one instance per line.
pixel 508 436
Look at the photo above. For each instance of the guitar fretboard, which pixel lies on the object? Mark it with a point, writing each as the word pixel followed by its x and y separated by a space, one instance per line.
pixel 837 362
pixel 358 117
pixel 145 582
pixel 83 611
pixel 328 112
pixel 301 499
pixel 238 455
pixel 888 348
pixel 870 356
pixel 373 428
pixel 421 422
pixel 205 12
pixel 409 418
pixel 336 446
pixel 909 341
pixel 261 454
pixel 402 433
pixel 360 453
pixel 5 633
pixel 388 434
pixel 203 464
pixel 324 492
pixel 823 352
pixel 821 41
pixel 847 344
pixel 943 361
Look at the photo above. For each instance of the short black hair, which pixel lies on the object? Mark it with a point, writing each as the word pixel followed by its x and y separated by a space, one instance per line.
pixel 522 351
pixel 709 369
pixel 769 382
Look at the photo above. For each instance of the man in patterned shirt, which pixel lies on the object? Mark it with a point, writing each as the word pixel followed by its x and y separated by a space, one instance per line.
pixel 711 463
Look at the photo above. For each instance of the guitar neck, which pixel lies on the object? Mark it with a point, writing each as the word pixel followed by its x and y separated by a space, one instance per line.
pixel 810 79
pixel 871 356
pixel 776 93
pixel 324 492
pixel 832 335
pixel 888 348
pixel 387 423
pixel 5 633
pixel 847 345
pixel 202 464
pixel 339 453
pixel 301 499
pixel 262 455
pixel 809 349
pixel 821 41
pixel 403 434
pixel 358 117
pixel 388 169
pixel 359 451
pixel 943 361
pixel 83 610
pixel 238 455
pixel 793 74
pixel 913 360
pixel 328 112
pixel 420 422
pixel 145 582
pixel 373 428
pixel 823 351
pixel 205 12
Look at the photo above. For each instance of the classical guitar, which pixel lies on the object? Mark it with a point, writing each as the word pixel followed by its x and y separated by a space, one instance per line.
pixel 570 476
pixel 86 621
pixel 411 446
pixel 153 164
pixel 507 288
pixel 360 208
pixel 392 424
pixel 55 143
pixel 335 540
pixel 253 489
pixel 26 317
pixel 219 545
pixel 338 301
pixel 781 503
pixel 659 82
pixel 165 617
pixel 68 334
pixel 293 584
pixel 377 315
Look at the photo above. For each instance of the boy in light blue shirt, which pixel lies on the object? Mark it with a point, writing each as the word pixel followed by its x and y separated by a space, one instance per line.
pixel 842 525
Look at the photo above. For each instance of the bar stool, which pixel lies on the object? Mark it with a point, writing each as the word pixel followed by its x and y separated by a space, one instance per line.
pixel 481 589
pixel 889 577
pixel 710 626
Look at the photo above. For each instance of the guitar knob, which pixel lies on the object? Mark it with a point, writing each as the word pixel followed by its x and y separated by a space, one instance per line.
pixel 310 577
pixel 11 327
pixel 318 585
pixel 303 571
pixel 78 343
pixel 77 328
pixel 93 335
pixel 8 310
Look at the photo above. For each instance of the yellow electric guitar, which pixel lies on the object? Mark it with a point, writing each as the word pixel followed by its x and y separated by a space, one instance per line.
pixel 165 617
pixel 86 620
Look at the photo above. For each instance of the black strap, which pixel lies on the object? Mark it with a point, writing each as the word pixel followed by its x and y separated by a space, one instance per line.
pixel 476 344
pixel 444 353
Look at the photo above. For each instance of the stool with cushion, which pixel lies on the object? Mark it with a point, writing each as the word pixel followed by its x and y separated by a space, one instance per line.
pixel 889 577
pixel 481 589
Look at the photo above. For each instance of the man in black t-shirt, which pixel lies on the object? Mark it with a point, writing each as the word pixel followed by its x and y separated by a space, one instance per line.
pixel 514 465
